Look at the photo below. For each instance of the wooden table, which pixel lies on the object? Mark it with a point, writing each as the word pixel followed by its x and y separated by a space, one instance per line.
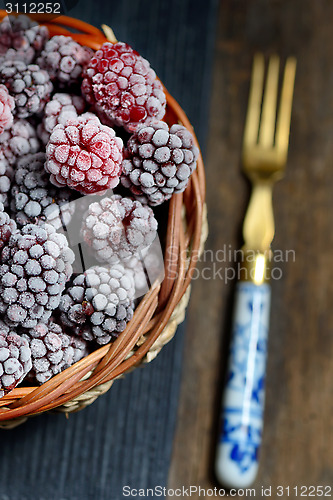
pixel 298 436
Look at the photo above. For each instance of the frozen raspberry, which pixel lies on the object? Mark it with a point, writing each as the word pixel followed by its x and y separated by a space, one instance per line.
pixel 52 350
pixel 20 139
pixel 118 228
pixel 21 38
pixel 15 360
pixel 7 227
pixel 61 108
pixel 36 263
pixel 6 177
pixel 84 155
pixel 121 84
pixel 34 198
pixel 64 60
pixel 98 303
pixel 7 105
pixel 158 162
pixel 29 85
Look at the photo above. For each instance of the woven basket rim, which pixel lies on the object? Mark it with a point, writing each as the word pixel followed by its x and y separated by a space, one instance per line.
pixel 152 316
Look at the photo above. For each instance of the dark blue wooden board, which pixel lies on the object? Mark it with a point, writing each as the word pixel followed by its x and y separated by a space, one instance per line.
pixel 125 437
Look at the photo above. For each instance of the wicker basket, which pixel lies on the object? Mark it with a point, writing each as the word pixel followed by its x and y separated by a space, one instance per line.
pixel 160 311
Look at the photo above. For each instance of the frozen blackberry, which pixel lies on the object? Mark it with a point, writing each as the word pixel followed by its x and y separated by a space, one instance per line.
pixel 21 38
pixel 121 84
pixel 29 85
pixel 7 227
pixel 118 228
pixel 61 108
pixel 20 139
pixel 84 155
pixel 99 303
pixel 6 177
pixel 52 350
pixel 7 105
pixel 64 60
pixel 158 162
pixel 15 360
pixel 36 263
pixel 34 198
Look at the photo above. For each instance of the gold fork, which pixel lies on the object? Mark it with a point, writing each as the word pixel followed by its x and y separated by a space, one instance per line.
pixel 265 148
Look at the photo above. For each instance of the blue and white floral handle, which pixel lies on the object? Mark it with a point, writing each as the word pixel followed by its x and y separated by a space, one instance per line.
pixel 244 394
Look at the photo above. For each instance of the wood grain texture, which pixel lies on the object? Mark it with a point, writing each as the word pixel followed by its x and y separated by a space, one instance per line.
pixel 298 435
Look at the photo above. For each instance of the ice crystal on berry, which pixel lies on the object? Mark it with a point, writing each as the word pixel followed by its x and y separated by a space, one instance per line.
pixel 84 155
pixel 15 360
pixel 29 85
pixel 21 38
pixel 118 228
pixel 122 85
pixel 158 162
pixel 98 303
pixel 34 198
pixel 36 263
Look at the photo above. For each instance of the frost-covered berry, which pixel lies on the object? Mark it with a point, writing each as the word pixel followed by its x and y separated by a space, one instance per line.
pixel 98 304
pixel 7 227
pixel 6 177
pixel 158 162
pixel 29 85
pixel 61 108
pixel 84 155
pixel 36 263
pixel 15 360
pixel 52 350
pixel 21 38
pixel 118 228
pixel 20 139
pixel 34 198
pixel 7 105
pixel 121 84
pixel 64 60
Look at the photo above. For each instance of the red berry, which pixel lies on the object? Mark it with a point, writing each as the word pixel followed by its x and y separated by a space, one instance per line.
pixel 7 105
pixel 84 155
pixel 123 87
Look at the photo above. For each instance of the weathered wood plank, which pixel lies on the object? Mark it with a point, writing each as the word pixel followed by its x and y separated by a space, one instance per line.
pixel 298 443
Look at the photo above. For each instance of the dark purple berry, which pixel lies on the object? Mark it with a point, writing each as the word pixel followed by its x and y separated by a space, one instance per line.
pixel 98 304
pixel 159 162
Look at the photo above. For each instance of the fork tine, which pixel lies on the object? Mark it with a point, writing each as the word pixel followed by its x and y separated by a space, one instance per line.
pixel 284 114
pixel 268 119
pixel 254 105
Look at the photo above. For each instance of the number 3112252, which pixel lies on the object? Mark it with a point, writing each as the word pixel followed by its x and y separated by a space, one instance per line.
pixel 33 8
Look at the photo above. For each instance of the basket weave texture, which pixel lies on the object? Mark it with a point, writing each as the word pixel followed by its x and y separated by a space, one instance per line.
pixel 161 310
